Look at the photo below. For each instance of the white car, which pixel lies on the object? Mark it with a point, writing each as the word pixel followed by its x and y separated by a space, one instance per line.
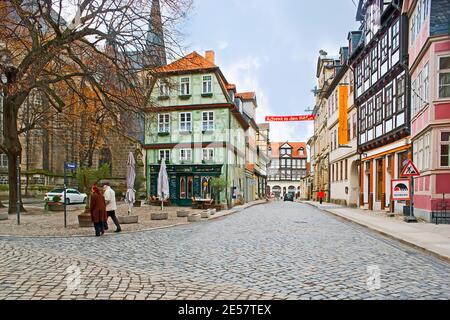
pixel 72 196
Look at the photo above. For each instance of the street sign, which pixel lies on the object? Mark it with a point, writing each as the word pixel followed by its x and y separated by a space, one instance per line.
pixel 71 166
pixel 410 170
pixel 290 118
pixel 400 190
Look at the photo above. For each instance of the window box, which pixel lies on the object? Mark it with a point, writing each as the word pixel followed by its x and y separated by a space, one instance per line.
pixel 208 161
pixel 207 95
pixel 161 98
pixel 207 131
pixel 163 134
pixel 186 132
pixel 185 96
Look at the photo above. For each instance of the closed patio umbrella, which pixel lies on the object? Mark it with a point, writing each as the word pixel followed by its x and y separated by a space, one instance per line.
pixel 163 183
pixel 131 176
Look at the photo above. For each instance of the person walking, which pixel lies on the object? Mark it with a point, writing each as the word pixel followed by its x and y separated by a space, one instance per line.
pixel 321 196
pixel 98 211
pixel 111 207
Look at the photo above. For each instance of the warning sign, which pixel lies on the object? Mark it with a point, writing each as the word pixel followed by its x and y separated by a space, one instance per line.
pixel 410 170
pixel 400 190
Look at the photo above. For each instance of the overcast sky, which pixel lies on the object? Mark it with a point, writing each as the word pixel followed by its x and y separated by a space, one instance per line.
pixel 271 47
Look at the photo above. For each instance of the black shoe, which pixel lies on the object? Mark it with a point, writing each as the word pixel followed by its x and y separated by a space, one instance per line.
pixel 118 230
pixel 97 235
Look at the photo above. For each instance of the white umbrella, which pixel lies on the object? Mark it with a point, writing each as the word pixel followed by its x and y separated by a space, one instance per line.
pixel 163 183
pixel 131 176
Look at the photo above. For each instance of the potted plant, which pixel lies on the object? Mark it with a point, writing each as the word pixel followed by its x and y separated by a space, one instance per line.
pixel 56 204
pixel 218 185
pixel 86 178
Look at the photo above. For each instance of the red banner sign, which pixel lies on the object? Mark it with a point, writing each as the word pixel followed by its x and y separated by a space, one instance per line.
pixel 290 118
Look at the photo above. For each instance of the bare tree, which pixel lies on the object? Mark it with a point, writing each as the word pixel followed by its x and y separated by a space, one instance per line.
pixel 106 49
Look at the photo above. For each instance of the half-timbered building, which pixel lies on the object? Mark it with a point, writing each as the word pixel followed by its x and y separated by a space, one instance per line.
pixel 378 56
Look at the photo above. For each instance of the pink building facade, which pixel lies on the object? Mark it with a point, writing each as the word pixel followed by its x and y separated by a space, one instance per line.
pixel 429 65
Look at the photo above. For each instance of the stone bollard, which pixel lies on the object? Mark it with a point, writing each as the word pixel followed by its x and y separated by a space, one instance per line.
pixel 160 216
pixel 212 211
pixel 4 216
pixel 182 214
pixel 195 217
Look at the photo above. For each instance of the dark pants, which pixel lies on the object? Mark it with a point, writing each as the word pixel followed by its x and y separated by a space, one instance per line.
pixel 99 228
pixel 112 215
pixel 321 200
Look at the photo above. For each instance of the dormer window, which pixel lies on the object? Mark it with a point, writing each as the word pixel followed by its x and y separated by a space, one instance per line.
pixel 301 152
pixel 286 151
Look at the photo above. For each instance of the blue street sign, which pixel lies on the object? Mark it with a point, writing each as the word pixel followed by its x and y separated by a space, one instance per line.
pixel 71 166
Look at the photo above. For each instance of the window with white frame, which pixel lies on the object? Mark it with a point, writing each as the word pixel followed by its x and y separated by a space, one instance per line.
pixel 208 121
pixel 163 88
pixel 3 160
pixel 384 47
pixel 164 153
pixel 185 86
pixel 426 84
pixel 378 109
pixel 366 67
pixel 370 113
pixel 445 149
pixel 186 154
pixel 362 117
pixel 207 85
pixel 400 101
pixel 374 59
pixel 420 14
pixel 164 123
pixel 396 35
pixel 444 77
pixel 426 151
pixel 388 102
pixel 185 121
pixel 359 75
pixel 208 154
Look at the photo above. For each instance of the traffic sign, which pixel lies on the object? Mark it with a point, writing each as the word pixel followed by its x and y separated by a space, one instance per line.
pixel 400 190
pixel 71 166
pixel 410 170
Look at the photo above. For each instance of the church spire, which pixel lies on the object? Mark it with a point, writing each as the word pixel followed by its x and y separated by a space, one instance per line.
pixel 155 37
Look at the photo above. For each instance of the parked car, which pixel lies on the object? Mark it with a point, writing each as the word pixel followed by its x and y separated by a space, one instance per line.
pixel 289 197
pixel 72 196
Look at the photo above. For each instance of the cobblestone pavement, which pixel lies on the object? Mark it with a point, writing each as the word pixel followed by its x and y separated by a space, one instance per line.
pixel 273 251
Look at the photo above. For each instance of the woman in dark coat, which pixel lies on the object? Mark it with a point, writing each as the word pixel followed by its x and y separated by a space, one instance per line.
pixel 98 211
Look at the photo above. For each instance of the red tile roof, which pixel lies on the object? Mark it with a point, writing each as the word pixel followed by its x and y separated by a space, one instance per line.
pixel 191 62
pixel 296 146
pixel 246 95
pixel 231 86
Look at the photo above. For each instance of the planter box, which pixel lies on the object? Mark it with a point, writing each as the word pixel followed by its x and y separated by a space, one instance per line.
pixel 195 217
pixel 4 216
pixel 58 207
pixel 182 214
pixel 84 221
pixel 137 204
pixel 206 214
pixel 128 219
pixel 160 216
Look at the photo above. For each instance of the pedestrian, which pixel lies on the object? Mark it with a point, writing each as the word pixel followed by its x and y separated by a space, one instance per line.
pixel 111 207
pixel 321 196
pixel 98 211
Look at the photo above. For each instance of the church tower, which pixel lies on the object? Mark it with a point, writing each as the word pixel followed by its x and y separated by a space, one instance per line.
pixel 155 38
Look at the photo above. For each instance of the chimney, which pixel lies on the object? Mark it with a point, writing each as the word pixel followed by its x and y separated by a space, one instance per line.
pixel 210 56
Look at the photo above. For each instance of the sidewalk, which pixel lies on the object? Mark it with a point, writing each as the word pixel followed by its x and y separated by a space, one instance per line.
pixel 434 239
pixel 37 223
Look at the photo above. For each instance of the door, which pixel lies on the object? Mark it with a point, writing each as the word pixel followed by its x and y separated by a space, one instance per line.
pixel 185 190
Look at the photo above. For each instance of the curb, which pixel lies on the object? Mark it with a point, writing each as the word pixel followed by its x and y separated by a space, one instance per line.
pixel 388 235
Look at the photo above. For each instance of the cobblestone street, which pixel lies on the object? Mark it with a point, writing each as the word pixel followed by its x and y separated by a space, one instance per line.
pixel 273 251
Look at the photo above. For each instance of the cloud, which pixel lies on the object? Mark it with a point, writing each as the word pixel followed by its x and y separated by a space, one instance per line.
pixel 222 45
pixel 245 73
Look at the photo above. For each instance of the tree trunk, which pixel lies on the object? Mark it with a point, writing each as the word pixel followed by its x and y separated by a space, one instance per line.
pixel 13 149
